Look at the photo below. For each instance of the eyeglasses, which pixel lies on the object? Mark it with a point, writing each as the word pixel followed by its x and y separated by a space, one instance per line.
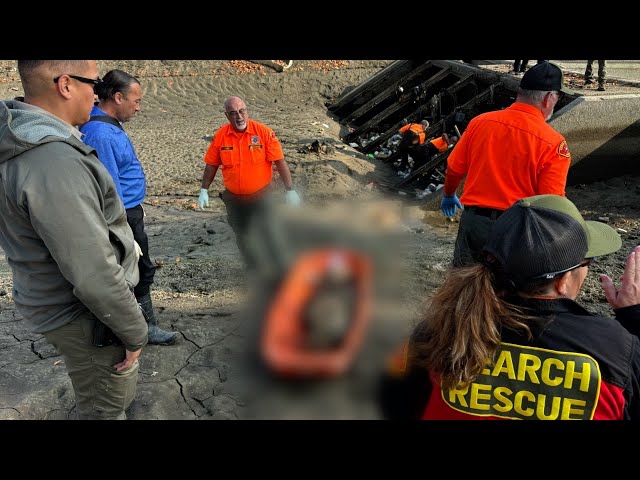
pixel 93 81
pixel 237 113
pixel 558 93
pixel 549 276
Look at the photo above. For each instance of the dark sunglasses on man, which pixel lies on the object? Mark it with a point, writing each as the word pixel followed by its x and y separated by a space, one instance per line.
pixel 93 81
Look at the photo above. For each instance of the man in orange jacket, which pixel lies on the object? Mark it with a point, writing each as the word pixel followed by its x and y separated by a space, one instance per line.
pixel 506 155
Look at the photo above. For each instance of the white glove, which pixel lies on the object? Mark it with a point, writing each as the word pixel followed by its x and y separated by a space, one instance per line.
pixel 293 198
pixel 203 199
pixel 138 250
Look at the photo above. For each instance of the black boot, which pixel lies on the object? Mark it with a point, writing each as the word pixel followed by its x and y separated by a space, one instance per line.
pixel 157 336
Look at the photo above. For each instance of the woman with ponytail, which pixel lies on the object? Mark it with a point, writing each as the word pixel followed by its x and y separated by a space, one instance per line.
pixel 506 339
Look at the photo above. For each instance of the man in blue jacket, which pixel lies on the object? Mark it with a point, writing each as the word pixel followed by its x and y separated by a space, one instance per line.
pixel 120 95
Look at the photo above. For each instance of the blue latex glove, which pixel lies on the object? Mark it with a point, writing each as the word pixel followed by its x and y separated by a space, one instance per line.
pixel 448 205
pixel 293 198
pixel 203 199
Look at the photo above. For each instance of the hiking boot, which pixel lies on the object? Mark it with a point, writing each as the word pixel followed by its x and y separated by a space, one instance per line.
pixel 588 81
pixel 601 87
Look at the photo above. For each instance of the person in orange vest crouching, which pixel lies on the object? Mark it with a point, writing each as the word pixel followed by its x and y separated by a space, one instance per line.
pixel 414 144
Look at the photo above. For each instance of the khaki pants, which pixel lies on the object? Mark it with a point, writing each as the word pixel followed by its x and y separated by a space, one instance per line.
pixel 101 392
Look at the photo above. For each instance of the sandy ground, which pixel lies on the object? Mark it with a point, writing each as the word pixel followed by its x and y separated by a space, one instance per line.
pixel 201 290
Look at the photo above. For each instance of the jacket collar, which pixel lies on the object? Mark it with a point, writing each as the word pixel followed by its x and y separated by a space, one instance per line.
pixel 525 107
pixel 251 129
pixel 550 306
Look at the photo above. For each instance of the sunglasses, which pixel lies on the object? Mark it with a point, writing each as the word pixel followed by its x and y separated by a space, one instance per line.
pixel 92 81
pixel 585 263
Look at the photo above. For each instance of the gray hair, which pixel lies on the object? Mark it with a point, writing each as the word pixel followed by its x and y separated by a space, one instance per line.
pixel 536 96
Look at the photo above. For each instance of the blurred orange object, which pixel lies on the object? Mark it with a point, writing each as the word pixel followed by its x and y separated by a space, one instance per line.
pixel 397 362
pixel 284 342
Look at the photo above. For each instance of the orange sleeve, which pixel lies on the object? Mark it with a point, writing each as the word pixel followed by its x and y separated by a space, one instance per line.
pixel 457 163
pixel 552 177
pixel 458 160
pixel 212 155
pixel 405 128
pixel 440 144
pixel 398 360
pixel 273 147
pixel 451 182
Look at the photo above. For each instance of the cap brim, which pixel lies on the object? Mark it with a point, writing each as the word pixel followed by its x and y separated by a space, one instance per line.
pixel 602 239
pixel 567 91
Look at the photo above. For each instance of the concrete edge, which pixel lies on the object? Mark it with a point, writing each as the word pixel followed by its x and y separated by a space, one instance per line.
pixel 621 81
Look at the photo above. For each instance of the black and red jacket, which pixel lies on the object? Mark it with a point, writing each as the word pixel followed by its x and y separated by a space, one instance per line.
pixel 577 366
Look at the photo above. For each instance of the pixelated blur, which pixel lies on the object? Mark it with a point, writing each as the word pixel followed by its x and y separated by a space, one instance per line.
pixel 324 309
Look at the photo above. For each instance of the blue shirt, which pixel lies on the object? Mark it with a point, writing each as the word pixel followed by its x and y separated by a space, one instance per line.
pixel 117 154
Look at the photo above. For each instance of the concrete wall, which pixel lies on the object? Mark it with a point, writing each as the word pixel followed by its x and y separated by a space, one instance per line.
pixel 603 134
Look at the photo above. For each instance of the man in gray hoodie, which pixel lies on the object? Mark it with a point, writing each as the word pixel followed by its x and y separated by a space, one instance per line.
pixel 65 234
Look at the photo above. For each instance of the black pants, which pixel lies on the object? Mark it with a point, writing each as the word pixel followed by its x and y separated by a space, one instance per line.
pixel 404 156
pixel 241 211
pixel 520 65
pixel 135 219
pixel 420 154
pixel 473 233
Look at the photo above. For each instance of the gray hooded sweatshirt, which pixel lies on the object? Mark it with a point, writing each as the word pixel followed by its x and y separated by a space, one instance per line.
pixel 63 227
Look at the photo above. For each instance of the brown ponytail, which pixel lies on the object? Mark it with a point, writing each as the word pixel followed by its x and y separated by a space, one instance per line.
pixel 462 329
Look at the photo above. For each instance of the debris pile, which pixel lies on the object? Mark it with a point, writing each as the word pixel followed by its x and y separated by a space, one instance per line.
pixel 245 66
pixel 324 65
pixel 317 147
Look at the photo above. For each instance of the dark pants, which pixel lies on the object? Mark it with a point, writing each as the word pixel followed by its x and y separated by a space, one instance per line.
pixel 520 65
pixel 101 393
pixel 404 156
pixel 241 211
pixel 473 233
pixel 135 218
pixel 420 154
pixel 602 71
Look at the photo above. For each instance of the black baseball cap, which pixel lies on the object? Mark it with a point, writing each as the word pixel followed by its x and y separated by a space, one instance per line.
pixel 544 76
pixel 542 236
